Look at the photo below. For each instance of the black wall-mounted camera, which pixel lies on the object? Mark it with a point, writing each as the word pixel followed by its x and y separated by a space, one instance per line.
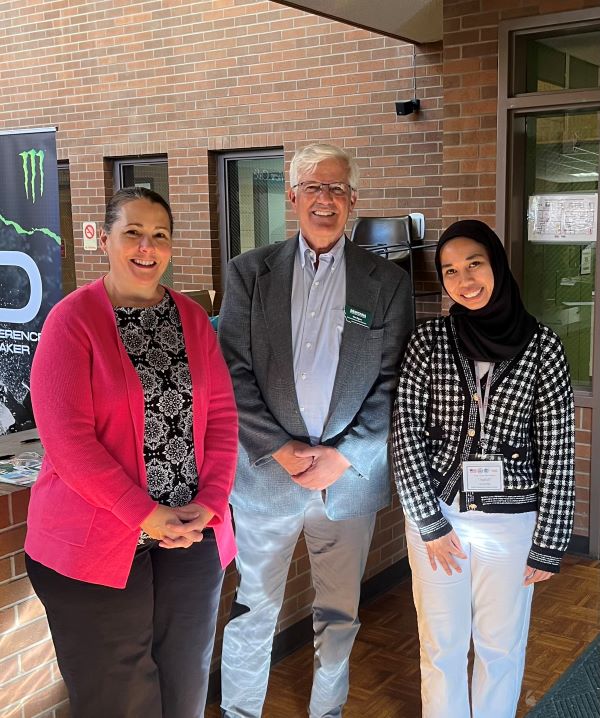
pixel 408 107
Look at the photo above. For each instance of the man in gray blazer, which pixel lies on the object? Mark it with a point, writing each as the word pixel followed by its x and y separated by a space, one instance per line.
pixel 312 329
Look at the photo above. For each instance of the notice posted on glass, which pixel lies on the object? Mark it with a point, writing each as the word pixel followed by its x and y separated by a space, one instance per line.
pixel 570 218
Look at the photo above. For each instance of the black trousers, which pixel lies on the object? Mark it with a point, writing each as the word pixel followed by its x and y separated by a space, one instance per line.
pixel 143 651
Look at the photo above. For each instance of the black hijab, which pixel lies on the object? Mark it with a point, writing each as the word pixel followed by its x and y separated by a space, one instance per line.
pixel 502 328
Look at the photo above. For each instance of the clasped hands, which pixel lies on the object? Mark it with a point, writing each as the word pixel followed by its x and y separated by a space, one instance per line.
pixel 313 467
pixel 177 526
pixel 445 550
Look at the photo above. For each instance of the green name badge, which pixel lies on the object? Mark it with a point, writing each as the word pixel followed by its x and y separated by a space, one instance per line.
pixel 358 316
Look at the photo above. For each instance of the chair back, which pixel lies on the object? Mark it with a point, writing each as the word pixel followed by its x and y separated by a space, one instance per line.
pixel 389 237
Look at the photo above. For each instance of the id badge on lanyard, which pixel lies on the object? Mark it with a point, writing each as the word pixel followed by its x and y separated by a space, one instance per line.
pixel 483 472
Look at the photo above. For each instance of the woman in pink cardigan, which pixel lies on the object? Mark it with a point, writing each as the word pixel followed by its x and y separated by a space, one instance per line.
pixel 129 529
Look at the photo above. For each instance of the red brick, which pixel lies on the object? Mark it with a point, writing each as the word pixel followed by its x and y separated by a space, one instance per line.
pixel 5 569
pixel 480 19
pixel 4 511
pixel 14 591
pixel 38 655
pixel 19 505
pixel 461 152
pixel 8 620
pixel 20 638
pixel 29 610
pixel 583 451
pixel 19 688
pixel 18 560
pixel 462 38
pixel 14 712
pixel 480 49
pixel 462 94
pixel 12 540
pixel 460 9
pixel 586 419
pixel 9 669
pixel 46 698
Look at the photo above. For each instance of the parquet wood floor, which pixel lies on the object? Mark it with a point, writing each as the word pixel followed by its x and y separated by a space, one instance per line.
pixel 385 661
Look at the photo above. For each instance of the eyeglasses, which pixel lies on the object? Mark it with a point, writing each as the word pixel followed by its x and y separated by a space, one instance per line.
pixel 336 189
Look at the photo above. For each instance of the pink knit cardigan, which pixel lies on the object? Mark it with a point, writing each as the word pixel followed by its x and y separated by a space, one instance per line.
pixel 91 495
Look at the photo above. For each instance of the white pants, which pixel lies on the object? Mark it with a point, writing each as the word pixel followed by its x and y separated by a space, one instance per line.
pixel 487 602
pixel 338 552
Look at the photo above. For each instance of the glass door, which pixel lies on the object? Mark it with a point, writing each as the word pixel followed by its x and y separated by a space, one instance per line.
pixel 559 248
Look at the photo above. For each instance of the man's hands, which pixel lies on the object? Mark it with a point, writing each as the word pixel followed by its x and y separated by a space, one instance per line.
pixel 177 526
pixel 287 459
pixel 313 467
pixel 326 468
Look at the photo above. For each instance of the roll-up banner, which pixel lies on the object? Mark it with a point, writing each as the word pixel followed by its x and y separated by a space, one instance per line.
pixel 30 267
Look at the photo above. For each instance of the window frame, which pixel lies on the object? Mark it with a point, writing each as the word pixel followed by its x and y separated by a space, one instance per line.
pixel 68 248
pixel 137 160
pixel 223 192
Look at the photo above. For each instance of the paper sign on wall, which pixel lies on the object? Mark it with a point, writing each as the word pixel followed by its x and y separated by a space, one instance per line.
pixel 90 236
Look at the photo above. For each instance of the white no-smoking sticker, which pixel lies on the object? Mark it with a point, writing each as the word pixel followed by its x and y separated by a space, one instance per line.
pixel 90 237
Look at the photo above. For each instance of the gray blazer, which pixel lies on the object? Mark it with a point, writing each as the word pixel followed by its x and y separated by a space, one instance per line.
pixel 256 339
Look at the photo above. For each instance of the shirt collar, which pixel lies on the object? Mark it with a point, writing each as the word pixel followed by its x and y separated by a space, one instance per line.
pixel 334 255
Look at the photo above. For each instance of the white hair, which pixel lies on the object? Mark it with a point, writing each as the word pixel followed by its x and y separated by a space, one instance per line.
pixel 306 160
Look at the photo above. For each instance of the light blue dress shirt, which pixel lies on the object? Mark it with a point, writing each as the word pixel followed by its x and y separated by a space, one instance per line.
pixel 318 302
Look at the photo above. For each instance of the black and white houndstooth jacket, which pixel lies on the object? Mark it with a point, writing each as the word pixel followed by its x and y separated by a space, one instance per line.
pixel 529 421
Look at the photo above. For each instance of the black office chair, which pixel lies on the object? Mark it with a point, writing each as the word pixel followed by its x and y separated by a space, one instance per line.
pixel 389 237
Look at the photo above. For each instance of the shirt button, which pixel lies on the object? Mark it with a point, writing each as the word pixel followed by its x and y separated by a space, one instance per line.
pixel 515 456
pixel 317 283
pixel 301 408
pixel 475 397
pixel 312 314
pixel 308 345
pixel 472 507
pixel 303 375
pixel 426 433
pixel 471 433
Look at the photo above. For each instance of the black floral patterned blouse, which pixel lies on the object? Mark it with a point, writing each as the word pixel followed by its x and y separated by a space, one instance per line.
pixel 153 338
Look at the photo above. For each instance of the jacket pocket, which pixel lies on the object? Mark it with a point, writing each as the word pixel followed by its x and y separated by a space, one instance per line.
pixel 375 334
pixel 434 432
pixel 513 452
pixel 66 515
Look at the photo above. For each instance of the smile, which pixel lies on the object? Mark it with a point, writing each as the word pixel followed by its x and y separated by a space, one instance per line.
pixel 143 262
pixel 323 213
pixel 474 294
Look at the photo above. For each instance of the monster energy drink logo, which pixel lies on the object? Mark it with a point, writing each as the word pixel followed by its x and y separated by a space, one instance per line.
pixel 33 167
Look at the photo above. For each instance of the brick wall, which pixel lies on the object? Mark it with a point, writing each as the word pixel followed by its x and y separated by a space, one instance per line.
pixel 184 79
pixel 30 684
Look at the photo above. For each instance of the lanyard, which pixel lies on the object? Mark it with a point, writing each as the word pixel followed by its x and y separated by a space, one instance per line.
pixel 482 403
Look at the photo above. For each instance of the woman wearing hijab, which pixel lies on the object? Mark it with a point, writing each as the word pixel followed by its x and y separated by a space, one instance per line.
pixel 483 457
